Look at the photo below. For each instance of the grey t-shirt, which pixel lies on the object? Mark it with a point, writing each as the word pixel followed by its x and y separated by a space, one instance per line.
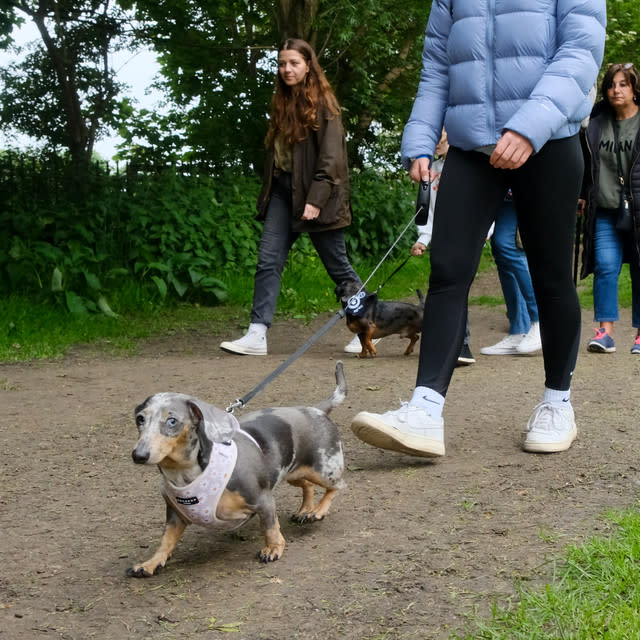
pixel 609 185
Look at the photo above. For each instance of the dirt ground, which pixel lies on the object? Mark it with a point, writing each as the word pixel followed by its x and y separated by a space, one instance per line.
pixel 412 547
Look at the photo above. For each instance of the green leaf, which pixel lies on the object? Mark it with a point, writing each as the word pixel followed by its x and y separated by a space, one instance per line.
pixel 56 280
pixel 161 284
pixel 75 303
pixel 180 287
pixel 103 305
pixel 93 281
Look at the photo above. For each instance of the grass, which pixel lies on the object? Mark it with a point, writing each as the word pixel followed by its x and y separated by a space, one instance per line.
pixel 595 593
pixel 44 329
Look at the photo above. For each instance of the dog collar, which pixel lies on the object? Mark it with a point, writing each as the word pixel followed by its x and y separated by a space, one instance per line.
pixel 198 501
pixel 355 305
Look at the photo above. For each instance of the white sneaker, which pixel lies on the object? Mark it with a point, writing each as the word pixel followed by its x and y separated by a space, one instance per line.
pixel 253 343
pixel 355 347
pixel 550 428
pixel 508 346
pixel 408 429
pixel 531 341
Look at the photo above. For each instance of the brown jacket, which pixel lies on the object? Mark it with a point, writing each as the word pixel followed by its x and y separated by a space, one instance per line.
pixel 320 176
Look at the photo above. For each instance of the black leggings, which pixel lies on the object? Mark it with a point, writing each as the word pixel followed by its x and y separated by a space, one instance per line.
pixel 545 191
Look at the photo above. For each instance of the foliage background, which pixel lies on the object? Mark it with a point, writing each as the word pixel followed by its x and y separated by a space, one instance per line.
pixel 175 219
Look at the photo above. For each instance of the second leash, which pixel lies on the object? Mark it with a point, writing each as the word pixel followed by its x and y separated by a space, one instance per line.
pixel 420 216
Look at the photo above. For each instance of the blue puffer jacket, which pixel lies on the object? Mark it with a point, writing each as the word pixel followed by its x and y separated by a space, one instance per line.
pixel 493 65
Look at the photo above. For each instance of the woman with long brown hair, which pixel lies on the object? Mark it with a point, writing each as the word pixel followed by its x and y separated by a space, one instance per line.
pixel 305 188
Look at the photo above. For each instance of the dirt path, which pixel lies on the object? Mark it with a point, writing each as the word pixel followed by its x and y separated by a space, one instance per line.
pixel 410 548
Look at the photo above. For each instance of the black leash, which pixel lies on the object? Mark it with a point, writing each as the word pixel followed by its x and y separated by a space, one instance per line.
pixel 419 217
pixel 394 273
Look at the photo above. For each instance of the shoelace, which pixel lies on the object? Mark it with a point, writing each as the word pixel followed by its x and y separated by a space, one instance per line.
pixel 637 340
pixel 543 415
pixel 403 412
pixel 600 333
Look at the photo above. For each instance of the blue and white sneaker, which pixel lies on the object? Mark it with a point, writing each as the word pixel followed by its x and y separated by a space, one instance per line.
pixel 636 346
pixel 602 343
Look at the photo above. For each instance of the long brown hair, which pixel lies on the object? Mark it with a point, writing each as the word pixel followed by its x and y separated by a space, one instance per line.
pixel 294 110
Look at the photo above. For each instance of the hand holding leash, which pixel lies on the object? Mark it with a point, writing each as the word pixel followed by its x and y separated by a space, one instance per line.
pixel 422 202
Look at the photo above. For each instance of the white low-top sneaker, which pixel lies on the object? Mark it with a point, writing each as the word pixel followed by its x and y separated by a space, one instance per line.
pixel 408 429
pixel 550 428
pixel 508 346
pixel 355 347
pixel 253 343
pixel 531 341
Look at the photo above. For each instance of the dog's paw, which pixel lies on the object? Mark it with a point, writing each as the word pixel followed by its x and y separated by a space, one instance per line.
pixel 269 554
pixel 141 572
pixel 306 518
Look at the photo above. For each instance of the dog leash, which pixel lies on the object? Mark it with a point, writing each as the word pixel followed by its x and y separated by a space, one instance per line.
pixel 393 273
pixel 419 217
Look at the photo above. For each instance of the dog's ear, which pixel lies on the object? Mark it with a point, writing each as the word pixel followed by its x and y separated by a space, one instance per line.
pixel 217 425
pixel 142 406
pixel 198 420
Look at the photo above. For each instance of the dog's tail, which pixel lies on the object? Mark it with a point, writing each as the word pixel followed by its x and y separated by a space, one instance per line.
pixel 420 297
pixel 340 392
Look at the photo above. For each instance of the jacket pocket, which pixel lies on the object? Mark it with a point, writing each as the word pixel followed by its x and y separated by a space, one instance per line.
pixel 336 208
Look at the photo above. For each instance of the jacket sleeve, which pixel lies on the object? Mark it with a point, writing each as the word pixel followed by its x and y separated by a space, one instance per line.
pixel 562 93
pixel 424 127
pixel 331 161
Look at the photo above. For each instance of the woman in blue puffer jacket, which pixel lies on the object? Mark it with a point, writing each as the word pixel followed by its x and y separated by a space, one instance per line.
pixel 510 81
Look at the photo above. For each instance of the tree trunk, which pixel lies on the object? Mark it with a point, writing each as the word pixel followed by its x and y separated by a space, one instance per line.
pixel 76 127
pixel 295 19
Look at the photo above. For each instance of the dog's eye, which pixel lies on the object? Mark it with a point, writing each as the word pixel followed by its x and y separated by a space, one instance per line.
pixel 172 422
pixel 140 420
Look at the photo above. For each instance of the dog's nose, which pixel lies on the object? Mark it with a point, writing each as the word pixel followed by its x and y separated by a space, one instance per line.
pixel 140 457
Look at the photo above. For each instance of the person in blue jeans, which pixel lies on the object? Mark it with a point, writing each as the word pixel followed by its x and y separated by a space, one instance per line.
pixel 614 123
pixel 517 288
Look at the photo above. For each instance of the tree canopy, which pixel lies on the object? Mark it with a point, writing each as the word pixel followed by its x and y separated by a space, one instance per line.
pixel 64 91
pixel 218 66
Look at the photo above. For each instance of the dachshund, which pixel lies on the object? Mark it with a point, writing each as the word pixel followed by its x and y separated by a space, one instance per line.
pixel 371 318
pixel 219 472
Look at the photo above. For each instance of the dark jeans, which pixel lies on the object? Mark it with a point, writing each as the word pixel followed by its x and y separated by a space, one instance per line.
pixel 545 191
pixel 275 244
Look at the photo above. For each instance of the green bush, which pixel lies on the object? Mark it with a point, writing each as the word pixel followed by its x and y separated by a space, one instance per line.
pixel 77 236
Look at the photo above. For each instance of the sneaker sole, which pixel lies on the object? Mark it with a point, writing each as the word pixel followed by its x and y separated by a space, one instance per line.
pixel 528 350
pixel 347 350
pixel 229 347
pixel 551 447
pixel 510 352
pixel 595 347
pixel 382 436
pixel 358 349
pixel 466 361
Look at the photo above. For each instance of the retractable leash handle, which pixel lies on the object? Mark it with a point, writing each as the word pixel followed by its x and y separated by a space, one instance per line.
pixel 422 202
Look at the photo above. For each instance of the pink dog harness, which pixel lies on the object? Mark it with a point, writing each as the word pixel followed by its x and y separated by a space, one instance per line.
pixel 198 501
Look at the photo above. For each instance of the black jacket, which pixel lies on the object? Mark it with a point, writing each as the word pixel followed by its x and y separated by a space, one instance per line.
pixel 590 143
pixel 320 176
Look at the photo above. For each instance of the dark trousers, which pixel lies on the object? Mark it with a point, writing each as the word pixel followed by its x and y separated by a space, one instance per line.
pixel 275 244
pixel 471 191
